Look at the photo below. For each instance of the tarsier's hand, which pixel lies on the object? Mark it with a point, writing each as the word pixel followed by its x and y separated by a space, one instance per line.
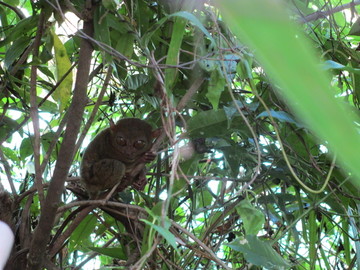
pixel 125 182
pixel 148 157
pixel 140 182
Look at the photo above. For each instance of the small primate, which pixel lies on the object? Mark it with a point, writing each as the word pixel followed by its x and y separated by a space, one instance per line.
pixel 113 154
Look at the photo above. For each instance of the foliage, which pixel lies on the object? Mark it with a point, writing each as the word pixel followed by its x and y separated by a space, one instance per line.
pixel 240 179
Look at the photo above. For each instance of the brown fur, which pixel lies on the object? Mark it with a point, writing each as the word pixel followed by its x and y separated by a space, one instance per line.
pixel 113 153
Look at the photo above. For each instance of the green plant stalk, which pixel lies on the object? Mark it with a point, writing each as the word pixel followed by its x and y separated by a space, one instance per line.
pixel 346 243
pixel 173 52
pixel 313 239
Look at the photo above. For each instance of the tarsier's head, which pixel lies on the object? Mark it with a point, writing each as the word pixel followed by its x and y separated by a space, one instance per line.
pixel 131 137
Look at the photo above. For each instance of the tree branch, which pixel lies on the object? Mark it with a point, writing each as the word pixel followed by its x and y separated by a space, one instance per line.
pixel 66 153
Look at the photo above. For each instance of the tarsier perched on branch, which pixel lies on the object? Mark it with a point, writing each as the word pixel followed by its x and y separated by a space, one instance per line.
pixel 114 155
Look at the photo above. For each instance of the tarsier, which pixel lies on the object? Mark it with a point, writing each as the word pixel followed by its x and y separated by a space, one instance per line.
pixel 113 154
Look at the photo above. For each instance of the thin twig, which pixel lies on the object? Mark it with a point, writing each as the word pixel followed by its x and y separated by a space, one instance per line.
pixel 323 14
pixel 34 110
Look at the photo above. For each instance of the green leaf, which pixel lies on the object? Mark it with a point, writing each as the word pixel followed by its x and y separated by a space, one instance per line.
pixel 9 154
pixel 183 14
pixel 26 148
pixel 102 30
pixel 252 218
pixel 244 67
pixel 207 123
pixel 46 141
pixel 7 125
pixel 330 64
pixel 12 2
pixel 216 87
pixel 110 4
pixel 233 154
pixel 204 200
pixel 63 93
pixel 125 44
pixel 229 64
pixel 15 50
pixel 164 231
pixel 355 29
pixel 117 253
pixel 22 28
pixel 135 81
pixel 280 115
pixel 174 51
pixel 259 252
pixel 195 21
pixel 80 238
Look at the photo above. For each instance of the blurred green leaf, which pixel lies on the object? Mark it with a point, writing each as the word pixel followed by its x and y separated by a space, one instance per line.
pixel 355 29
pixel 216 87
pixel 257 22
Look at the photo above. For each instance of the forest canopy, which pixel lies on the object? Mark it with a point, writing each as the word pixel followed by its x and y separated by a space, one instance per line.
pixel 255 109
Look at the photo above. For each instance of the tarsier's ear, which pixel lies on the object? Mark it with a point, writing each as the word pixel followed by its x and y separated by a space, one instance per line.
pixel 156 133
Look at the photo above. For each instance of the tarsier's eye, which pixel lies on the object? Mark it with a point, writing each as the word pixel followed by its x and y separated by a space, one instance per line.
pixel 120 141
pixel 139 144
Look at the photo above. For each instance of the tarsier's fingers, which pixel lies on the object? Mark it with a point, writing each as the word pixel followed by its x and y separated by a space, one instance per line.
pixel 140 182
pixel 148 157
